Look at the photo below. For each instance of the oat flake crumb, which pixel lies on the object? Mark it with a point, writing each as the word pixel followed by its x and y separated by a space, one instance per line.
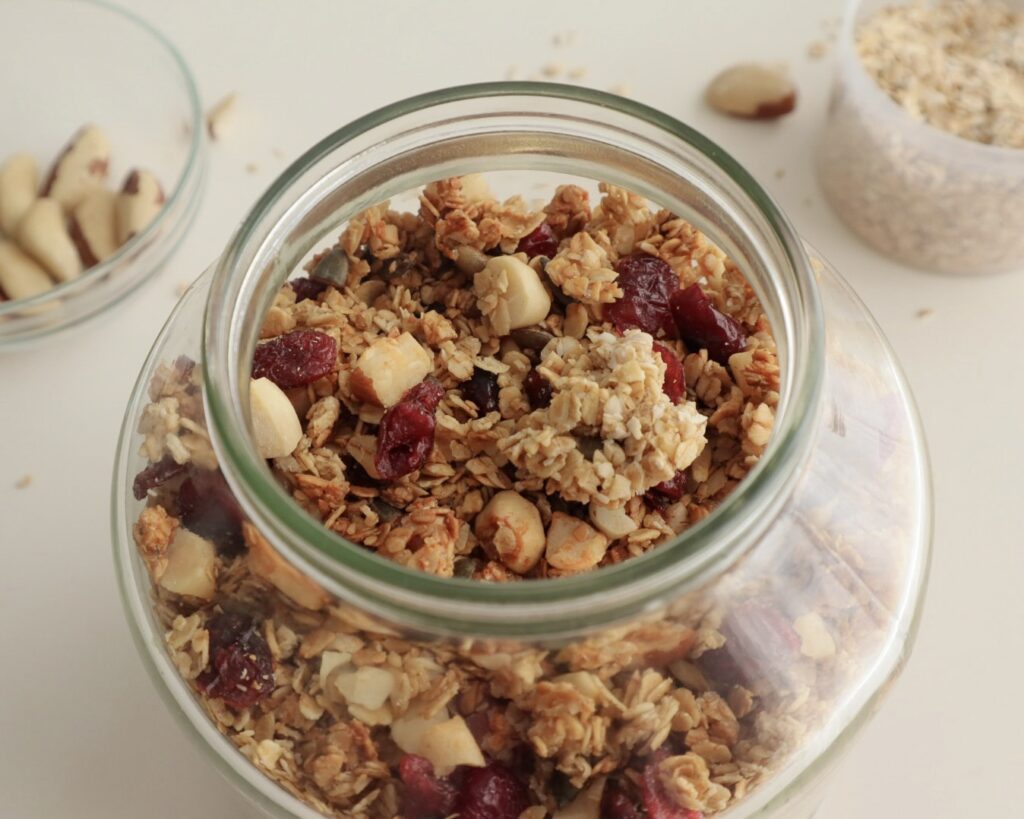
pixel 24 482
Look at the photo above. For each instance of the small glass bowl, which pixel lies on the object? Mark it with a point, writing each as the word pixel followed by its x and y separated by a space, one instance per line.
pixel 923 196
pixel 68 63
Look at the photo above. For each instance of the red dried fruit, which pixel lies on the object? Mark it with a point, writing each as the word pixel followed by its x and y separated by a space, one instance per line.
pixel 759 641
pixel 482 390
pixel 617 804
pixel 426 796
pixel 241 669
pixel 207 507
pixel 657 802
pixel 664 493
pixel 296 358
pixel 703 324
pixel 647 283
pixel 540 242
pixel 406 434
pixel 155 475
pixel 306 288
pixel 538 390
pixel 493 792
pixel 674 385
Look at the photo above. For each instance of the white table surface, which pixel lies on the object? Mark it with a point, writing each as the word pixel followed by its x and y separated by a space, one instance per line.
pixel 82 731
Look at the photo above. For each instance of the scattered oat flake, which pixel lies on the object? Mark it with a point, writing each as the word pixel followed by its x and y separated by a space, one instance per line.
pixel 251 167
pixel 577 73
pixel 552 70
pixel 924 312
pixel 780 172
pixel 182 288
pixel 219 117
pixel 817 50
pixel 621 89
pixel 23 482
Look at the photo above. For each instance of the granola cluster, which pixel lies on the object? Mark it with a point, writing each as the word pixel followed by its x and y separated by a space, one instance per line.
pixel 478 416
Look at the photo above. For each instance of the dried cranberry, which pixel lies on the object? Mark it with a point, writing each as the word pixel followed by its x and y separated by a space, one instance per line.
pixel 406 434
pixel 306 288
pixel 663 494
pixel 657 802
pixel 208 508
pixel 241 670
pixel 426 796
pixel 540 242
pixel 617 804
pixel 538 390
pixel 155 475
pixel 482 390
pixel 759 641
pixel 493 792
pixel 700 322
pixel 674 385
pixel 296 358
pixel 647 283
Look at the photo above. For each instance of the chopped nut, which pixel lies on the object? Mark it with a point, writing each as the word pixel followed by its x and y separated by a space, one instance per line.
pixel 572 545
pixel 191 566
pixel 513 526
pixel 363 449
pixel 388 368
pixel 408 730
pixel 220 116
pixel 510 293
pixel 450 744
pixel 268 564
pixel 368 687
pixel 815 640
pixel 19 181
pixel 475 188
pixel 587 804
pixel 43 235
pixel 752 91
pixel 275 424
pixel 612 520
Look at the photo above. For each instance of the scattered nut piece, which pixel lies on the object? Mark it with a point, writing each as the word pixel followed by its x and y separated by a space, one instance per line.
pixel 613 521
pixel 19 181
pixel 450 744
pixel 363 450
pixel 470 260
pixel 924 313
pixel 81 167
pixel 368 687
pixel 93 227
pixel 408 730
pixel 815 640
pixel 752 91
pixel 275 424
pixel 510 293
pixel 20 276
pixel 572 545
pixel 513 526
pixel 587 804
pixel 220 116
pixel 389 367
pixel 44 236
pixel 24 482
pixel 817 50
pixel 191 566
pixel 138 204
pixel 475 188
pixel 268 564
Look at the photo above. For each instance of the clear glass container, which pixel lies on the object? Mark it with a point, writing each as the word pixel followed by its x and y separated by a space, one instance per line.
pixel 150 111
pixel 815 565
pixel 923 196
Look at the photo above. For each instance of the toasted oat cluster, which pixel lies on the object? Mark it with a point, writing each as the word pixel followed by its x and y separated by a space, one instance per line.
pixel 485 391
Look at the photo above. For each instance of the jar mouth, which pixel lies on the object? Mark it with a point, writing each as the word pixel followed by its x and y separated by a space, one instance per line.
pixel 525 126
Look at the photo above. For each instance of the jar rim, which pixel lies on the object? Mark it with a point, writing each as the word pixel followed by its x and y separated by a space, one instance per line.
pixel 550 606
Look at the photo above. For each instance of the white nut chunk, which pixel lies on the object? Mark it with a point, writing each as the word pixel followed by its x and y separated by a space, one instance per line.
pixel 753 91
pixel 265 562
pixel 587 804
pixel 368 687
pixel 450 744
pixel 81 167
pixel 389 367
pixel 19 181
pixel 275 424
pixel 20 276
pixel 612 520
pixel 363 449
pixel 408 730
pixel 191 566
pixel 510 293
pixel 93 227
pixel 475 187
pixel 44 236
pixel 138 204
pixel 572 545
pixel 513 526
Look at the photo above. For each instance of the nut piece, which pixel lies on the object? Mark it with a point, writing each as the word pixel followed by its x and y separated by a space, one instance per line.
pixel 81 167
pixel 389 367
pixel 753 91
pixel 363 449
pixel 513 525
pixel 815 640
pixel 93 227
pixel 475 188
pixel 191 566
pixel 408 730
pixel 43 235
pixel 20 276
pixel 138 204
pixel 450 744
pixel 368 687
pixel 220 116
pixel 586 805
pixel 19 181
pixel 510 293
pixel 574 546
pixel 265 562
pixel 275 424
pixel 613 521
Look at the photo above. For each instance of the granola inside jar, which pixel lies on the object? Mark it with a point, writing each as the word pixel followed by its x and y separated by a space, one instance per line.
pixel 512 472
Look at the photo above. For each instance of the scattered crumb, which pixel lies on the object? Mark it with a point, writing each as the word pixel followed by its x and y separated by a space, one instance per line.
pixel 577 73
pixel 251 167
pixel 23 482
pixel 924 313
pixel 552 70
pixel 182 288
pixel 780 172
pixel 563 38
pixel 817 50
pixel 219 117
pixel 621 89
pixel 513 73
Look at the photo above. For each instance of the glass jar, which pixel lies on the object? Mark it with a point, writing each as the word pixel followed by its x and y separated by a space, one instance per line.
pixel 813 568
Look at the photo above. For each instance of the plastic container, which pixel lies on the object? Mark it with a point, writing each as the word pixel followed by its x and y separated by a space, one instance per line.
pixel 64 64
pixel 914 192
pixel 815 563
